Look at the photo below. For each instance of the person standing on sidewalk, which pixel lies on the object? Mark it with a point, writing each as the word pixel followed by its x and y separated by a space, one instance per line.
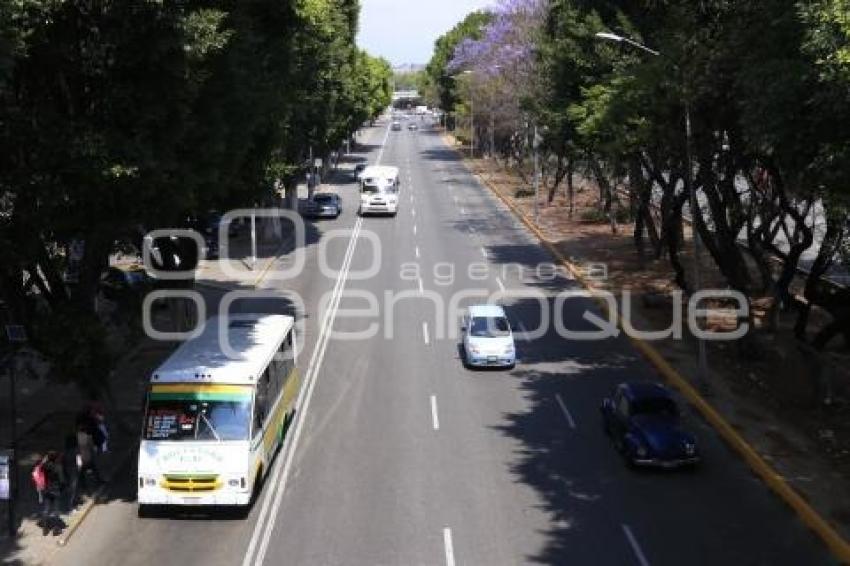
pixel 47 476
pixel 86 448
pixel 71 465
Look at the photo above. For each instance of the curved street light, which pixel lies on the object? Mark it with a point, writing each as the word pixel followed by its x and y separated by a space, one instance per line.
pixel 608 36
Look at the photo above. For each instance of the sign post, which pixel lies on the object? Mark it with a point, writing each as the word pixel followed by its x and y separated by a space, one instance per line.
pixel 16 334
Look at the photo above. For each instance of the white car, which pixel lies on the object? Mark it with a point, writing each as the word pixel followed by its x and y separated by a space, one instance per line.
pixel 487 337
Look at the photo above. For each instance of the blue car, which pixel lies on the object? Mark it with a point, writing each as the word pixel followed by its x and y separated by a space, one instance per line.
pixel 642 420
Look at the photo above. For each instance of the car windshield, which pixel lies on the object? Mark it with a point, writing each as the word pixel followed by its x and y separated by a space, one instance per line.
pixel 489 327
pixel 370 189
pixel 214 413
pixel 660 406
pixel 323 198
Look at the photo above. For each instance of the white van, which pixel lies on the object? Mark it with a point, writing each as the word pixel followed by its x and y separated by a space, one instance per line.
pixel 379 190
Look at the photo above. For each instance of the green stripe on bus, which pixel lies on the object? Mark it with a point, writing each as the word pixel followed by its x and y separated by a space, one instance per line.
pixel 200 396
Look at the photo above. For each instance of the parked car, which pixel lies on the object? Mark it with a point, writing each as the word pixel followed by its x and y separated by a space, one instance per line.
pixel 642 419
pixel 396 125
pixel 119 285
pixel 487 338
pixel 412 126
pixel 323 205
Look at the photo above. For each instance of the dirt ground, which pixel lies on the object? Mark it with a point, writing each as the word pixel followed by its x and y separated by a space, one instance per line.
pixel 763 385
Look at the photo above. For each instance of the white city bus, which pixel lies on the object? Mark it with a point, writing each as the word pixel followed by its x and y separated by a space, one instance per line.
pixel 213 421
pixel 379 190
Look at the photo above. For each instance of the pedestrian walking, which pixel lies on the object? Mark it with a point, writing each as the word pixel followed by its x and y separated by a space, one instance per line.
pixel 71 465
pixel 47 478
pixel 87 451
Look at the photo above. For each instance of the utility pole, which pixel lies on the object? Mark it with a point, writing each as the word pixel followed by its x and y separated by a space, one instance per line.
pixel 471 125
pixel 492 134
pixel 534 144
pixel 253 236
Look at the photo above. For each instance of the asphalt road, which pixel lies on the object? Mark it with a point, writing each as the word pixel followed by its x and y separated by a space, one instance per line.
pixel 404 457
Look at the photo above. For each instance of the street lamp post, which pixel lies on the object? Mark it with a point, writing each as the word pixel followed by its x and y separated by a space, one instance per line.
pixel 702 362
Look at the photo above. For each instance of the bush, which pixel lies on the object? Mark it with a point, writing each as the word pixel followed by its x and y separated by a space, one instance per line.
pixel 594 216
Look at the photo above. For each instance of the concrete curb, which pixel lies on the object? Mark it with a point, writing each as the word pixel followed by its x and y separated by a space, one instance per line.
pixel 811 518
pixel 223 286
pixel 84 511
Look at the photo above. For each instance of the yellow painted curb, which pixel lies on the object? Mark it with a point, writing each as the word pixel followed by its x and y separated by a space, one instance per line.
pixel 78 519
pixel 811 518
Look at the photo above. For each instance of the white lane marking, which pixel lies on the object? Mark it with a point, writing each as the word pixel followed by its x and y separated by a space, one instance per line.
pixel 484 253
pixel 383 145
pixel 566 411
pixel 277 481
pixel 462 211
pixel 447 543
pixel 414 229
pixel 413 212
pixel 417 252
pixel 425 333
pixel 471 229
pixel 411 198
pixel 500 284
pixel 421 287
pixel 435 419
pixel 635 546
pixel 455 197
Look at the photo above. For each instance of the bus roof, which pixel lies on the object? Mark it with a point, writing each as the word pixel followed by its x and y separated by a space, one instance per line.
pixel 380 172
pixel 254 337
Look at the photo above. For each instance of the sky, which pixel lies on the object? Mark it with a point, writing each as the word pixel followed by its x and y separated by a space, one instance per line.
pixel 404 31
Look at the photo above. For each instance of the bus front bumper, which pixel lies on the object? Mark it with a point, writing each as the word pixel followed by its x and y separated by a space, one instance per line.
pixel 159 496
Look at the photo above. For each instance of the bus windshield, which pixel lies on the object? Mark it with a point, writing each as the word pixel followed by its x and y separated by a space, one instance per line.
pixel 199 414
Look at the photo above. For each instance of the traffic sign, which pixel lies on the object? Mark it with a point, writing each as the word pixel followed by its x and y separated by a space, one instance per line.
pixel 16 334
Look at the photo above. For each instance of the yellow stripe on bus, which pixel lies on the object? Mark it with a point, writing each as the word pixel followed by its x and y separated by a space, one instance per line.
pixel 198 387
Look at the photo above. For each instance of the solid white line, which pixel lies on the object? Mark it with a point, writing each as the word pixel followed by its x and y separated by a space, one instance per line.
pixel 435 419
pixel 450 551
pixel 500 284
pixel 414 229
pixel 425 332
pixel 417 252
pixel 307 393
pixel 383 145
pixel 635 546
pixel 421 287
pixel 566 411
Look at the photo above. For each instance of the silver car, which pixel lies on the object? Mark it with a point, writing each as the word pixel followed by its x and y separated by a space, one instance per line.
pixel 323 205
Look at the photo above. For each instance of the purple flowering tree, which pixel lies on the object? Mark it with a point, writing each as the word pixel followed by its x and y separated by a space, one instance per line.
pixel 502 72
